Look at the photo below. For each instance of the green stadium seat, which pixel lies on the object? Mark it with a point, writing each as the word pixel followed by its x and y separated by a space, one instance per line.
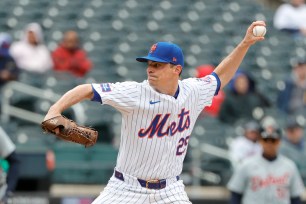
pixel 76 164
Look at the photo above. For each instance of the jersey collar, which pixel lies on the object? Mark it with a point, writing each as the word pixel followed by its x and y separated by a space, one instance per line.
pixel 177 92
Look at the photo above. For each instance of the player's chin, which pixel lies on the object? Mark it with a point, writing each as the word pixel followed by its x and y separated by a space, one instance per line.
pixel 153 82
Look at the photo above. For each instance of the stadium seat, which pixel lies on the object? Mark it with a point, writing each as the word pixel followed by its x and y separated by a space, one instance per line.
pixel 103 161
pixel 219 166
pixel 76 164
pixel 31 137
pixel 70 161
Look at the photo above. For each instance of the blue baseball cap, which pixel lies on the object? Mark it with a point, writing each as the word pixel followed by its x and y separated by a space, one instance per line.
pixel 164 52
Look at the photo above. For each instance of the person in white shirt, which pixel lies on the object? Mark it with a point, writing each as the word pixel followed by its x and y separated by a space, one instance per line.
pixel 291 17
pixel 246 145
pixel 30 53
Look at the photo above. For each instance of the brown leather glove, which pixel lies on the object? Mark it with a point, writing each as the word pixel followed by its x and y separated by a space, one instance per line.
pixel 67 129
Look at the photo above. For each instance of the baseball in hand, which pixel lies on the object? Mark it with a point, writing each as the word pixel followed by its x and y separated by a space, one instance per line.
pixel 259 31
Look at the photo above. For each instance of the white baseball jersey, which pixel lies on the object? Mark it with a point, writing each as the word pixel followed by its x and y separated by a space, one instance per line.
pixel 6 144
pixel 242 148
pixel 262 181
pixel 155 127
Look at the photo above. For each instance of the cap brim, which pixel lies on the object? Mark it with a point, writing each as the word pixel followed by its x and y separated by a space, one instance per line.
pixel 146 58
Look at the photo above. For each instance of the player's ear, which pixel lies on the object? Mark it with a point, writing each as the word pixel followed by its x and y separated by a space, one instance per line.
pixel 178 69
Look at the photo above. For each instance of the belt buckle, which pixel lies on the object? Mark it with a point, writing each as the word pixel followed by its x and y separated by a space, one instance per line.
pixel 151 181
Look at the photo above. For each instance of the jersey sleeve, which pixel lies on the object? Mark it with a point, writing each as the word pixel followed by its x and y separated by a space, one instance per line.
pixel 296 186
pixel 238 181
pixel 208 86
pixel 122 96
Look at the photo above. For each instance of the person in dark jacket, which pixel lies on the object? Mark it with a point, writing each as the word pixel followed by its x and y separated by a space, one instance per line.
pixel 8 72
pixel 8 68
pixel 292 99
pixel 294 144
pixel 241 99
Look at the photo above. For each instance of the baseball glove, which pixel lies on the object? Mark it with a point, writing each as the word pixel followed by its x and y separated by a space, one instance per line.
pixel 67 129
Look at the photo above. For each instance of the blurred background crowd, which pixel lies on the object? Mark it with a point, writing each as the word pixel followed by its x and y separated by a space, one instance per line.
pixel 48 47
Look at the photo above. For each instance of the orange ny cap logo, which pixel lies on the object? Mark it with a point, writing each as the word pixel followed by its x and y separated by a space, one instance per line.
pixel 153 48
pixel 174 59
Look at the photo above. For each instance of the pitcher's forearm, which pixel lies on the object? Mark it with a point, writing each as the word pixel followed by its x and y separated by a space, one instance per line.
pixel 228 67
pixel 74 96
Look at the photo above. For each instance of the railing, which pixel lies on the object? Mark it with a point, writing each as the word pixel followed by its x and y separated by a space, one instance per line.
pixel 215 151
pixel 8 109
pixel 197 153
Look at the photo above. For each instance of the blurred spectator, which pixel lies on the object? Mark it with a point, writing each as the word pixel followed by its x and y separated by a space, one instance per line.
pixel 70 57
pixel 8 152
pixel 8 67
pixel 3 185
pixel 292 99
pixel 213 110
pixel 246 145
pixel 293 145
pixel 267 178
pixel 241 99
pixel 30 53
pixel 291 17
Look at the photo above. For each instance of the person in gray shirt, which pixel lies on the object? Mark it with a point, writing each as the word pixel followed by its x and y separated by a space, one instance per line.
pixel 8 152
pixel 269 178
pixel 294 144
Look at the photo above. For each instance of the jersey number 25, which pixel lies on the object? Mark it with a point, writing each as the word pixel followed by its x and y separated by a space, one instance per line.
pixel 182 145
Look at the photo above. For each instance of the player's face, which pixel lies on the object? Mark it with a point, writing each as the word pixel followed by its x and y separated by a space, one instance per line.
pixel 32 38
pixel 297 2
pixel 160 74
pixel 71 40
pixel 295 134
pixel 270 146
pixel 300 71
pixel 252 135
pixel 242 84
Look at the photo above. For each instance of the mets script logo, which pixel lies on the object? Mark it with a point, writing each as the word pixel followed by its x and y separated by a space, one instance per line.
pixel 153 48
pixel 157 126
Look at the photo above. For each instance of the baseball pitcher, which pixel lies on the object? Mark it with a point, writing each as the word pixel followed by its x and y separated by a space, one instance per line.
pixel 158 116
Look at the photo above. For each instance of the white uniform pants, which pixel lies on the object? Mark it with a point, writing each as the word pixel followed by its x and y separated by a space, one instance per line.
pixel 130 191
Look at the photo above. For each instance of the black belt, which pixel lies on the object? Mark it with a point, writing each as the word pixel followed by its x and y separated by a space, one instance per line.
pixel 150 184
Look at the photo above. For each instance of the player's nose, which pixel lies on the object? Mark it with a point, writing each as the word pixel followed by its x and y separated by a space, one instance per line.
pixel 149 70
